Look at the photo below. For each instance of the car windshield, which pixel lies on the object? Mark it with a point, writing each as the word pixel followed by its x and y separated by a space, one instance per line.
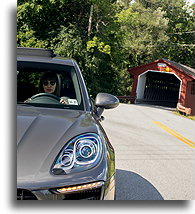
pixel 53 85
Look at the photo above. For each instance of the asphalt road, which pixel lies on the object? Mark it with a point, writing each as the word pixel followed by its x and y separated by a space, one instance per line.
pixel 155 152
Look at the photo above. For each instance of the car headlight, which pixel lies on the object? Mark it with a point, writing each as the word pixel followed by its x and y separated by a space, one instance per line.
pixel 81 153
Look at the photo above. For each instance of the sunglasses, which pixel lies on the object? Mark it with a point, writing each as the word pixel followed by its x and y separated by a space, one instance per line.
pixel 52 82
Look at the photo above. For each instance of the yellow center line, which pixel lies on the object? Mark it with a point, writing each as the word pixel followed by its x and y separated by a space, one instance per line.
pixel 160 124
pixel 175 134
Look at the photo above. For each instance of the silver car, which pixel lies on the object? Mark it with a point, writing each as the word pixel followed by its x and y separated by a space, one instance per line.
pixel 63 152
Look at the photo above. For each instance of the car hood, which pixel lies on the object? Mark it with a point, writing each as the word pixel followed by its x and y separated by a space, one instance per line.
pixel 41 134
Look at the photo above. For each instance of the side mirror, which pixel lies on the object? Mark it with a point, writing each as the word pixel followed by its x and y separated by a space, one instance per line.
pixel 105 101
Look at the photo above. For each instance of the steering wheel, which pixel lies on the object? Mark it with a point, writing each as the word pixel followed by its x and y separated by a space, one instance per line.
pixel 45 98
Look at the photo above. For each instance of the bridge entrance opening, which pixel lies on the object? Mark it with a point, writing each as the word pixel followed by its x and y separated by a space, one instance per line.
pixel 158 88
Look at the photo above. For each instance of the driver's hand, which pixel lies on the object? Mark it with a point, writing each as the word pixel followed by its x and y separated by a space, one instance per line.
pixel 64 100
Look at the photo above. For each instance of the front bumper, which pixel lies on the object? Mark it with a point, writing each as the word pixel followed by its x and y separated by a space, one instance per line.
pixel 90 191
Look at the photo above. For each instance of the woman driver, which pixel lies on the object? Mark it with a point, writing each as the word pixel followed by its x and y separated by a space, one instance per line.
pixel 49 84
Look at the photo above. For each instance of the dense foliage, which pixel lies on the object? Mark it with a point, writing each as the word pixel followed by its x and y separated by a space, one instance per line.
pixel 108 36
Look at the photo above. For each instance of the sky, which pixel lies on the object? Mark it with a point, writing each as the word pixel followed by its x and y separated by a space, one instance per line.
pixel 190 1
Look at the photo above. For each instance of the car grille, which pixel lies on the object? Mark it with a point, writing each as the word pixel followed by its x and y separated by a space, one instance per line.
pixel 94 194
pixel 23 194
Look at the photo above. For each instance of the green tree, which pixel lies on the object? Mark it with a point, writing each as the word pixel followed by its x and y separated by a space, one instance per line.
pixel 179 45
pixel 64 26
pixel 141 29
pixel 108 36
pixel 43 19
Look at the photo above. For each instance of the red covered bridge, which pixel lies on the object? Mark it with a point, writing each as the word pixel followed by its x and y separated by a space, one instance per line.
pixel 165 83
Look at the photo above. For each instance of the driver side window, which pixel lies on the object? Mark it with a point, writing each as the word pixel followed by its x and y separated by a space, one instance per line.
pixel 27 85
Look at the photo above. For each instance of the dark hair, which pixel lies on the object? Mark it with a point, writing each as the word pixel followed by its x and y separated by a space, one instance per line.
pixel 49 75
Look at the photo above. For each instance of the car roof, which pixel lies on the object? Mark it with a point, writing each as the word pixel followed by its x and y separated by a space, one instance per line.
pixel 42 55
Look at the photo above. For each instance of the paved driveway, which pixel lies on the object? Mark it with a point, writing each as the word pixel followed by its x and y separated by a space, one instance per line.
pixel 154 153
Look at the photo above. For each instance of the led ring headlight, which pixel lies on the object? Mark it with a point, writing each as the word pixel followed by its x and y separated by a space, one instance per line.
pixel 86 149
pixel 67 158
pixel 81 153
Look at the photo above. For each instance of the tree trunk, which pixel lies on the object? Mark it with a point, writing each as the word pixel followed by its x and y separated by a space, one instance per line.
pixel 90 20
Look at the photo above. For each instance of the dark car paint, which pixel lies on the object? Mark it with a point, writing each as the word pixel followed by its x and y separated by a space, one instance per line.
pixel 46 144
pixel 42 132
